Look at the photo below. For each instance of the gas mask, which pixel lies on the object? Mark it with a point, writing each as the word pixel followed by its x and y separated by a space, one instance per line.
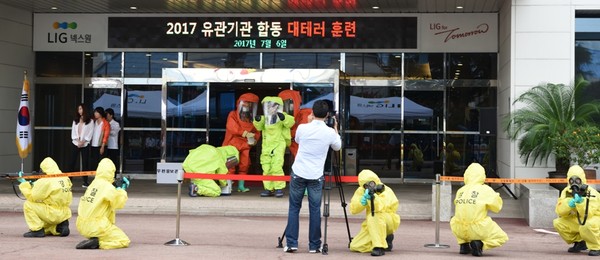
pixel 374 188
pixel 577 186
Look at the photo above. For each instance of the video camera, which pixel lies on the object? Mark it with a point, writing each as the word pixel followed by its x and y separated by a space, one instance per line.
pixel 577 187
pixel 330 119
pixel 374 188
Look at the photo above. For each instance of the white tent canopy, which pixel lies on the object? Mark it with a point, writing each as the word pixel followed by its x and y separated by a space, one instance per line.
pixel 146 104
pixel 384 109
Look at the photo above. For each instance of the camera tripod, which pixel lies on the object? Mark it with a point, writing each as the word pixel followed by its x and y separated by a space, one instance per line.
pixel 332 180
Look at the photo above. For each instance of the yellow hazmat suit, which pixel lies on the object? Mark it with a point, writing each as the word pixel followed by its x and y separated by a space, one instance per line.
pixel 98 207
pixel 567 225
pixel 383 223
pixel 276 136
pixel 48 200
pixel 472 202
pixel 207 159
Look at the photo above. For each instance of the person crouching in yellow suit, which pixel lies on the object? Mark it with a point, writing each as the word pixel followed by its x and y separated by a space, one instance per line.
pixel 380 205
pixel 575 202
pixel 207 159
pixel 98 207
pixel 46 208
pixel 474 230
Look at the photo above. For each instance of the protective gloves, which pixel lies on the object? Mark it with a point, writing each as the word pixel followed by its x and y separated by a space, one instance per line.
pixel 20 179
pixel 123 184
pixel 281 116
pixel 365 198
pixel 576 199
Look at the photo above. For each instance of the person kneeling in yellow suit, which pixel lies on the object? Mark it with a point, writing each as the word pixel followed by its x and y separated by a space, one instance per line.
pixel 207 159
pixel 576 201
pixel 380 204
pixel 97 210
pixel 474 230
pixel 46 208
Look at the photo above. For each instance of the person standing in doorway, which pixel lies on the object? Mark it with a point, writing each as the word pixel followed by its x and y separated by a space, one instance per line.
pixel 81 135
pixel 113 138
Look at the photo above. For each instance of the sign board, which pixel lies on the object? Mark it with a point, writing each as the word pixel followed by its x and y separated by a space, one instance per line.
pixel 69 32
pixel 168 173
pixel 459 32
pixel 263 32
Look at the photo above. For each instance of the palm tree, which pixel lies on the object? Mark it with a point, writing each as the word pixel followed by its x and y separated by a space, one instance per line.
pixel 550 110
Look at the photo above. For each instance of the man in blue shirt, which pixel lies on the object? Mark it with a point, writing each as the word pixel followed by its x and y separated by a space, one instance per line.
pixel 314 139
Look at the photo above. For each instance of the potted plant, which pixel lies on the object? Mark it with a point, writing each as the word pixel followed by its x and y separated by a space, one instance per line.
pixel 542 126
pixel 582 145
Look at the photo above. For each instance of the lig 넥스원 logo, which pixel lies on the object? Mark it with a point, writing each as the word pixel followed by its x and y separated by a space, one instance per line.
pixel 64 25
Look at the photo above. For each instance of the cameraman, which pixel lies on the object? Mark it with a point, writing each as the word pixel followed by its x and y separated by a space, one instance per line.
pixel 380 203
pixel 578 216
pixel 314 139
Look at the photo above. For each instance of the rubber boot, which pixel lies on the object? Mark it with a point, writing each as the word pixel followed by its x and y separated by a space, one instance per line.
pixel 378 251
pixel 38 233
pixel 465 248
pixel 577 247
pixel 389 239
pixel 63 228
pixel 476 247
pixel 241 187
pixel 91 243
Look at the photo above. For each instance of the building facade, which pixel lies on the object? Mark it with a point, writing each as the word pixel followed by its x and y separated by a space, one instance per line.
pixel 438 83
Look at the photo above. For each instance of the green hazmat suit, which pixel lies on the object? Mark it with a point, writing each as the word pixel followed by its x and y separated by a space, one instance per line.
pixel 275 138
pixel 47 200
pixel 385 221
pixel 98 207
pixel 472 202
pixel 567 225
pixel 207 159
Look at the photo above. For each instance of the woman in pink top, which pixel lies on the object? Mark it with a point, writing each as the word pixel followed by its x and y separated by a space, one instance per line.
pixel 81 135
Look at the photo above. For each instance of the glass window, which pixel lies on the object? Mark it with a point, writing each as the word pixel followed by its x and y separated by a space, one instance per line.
pixel 472 66
pixel 103 64
pixel 148 65
pixel 423 66
pixel 58 64
pixel 464 105
pixel 221 60
pixel 373 107
pixel 587 55
pixel 301 60
pixel 143 106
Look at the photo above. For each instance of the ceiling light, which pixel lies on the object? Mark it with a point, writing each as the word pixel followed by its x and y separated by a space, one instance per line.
pixel 459 7
pixel 375 7
pixel 460 64
pixel 133 7
pixel 54 8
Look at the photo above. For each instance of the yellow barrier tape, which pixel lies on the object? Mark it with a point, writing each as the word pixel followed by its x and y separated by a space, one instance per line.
pixel 503 180
pixel 67 174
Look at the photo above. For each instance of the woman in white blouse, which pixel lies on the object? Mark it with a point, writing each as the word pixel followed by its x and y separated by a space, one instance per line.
pixel 81 135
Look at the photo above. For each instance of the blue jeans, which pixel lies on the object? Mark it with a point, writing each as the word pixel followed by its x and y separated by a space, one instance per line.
pixel 315 189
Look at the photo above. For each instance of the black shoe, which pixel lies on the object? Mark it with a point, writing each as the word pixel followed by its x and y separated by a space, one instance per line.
pixel 63 228
pixel 91 243
pixel 476 247
pixel 594 253
pixel 389 239
pixel 378 251
pixel 577 247
pixel 39 233
pixel 465 248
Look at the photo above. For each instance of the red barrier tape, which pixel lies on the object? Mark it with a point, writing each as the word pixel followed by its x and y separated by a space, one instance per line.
pixel 188 175
pixel 66 174
pixel 502 180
